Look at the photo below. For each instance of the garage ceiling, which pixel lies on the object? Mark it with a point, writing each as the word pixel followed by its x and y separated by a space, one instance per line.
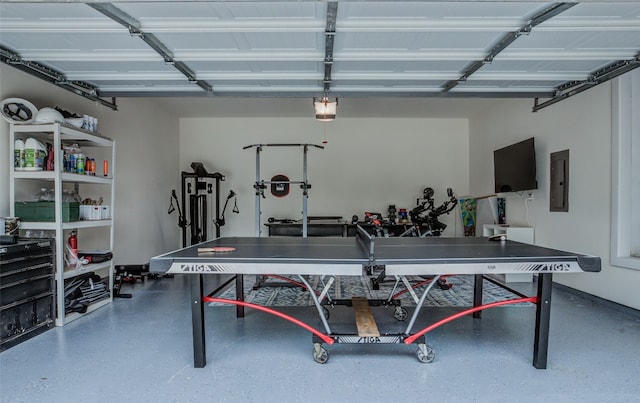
pixel 304 49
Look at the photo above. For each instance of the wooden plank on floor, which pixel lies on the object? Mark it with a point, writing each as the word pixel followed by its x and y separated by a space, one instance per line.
pixel 364 318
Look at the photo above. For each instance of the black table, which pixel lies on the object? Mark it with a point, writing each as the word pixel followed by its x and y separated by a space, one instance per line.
pixel 342 228
pixel 349 256
pixel 314 228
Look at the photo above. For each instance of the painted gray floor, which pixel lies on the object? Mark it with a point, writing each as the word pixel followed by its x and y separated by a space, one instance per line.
pixel 139 350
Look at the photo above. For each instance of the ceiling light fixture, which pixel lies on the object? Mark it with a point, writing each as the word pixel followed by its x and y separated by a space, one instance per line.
pixel 325 109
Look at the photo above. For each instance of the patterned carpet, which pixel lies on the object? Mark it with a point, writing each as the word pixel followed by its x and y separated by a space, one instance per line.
pixel 459 295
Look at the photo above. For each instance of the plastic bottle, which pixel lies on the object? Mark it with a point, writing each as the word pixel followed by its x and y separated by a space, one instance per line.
pixel 72 163
pixel 80 163
pixel 51 195
pixel 35 154
pixel 75 197
pixel 41 195
pixel 18 152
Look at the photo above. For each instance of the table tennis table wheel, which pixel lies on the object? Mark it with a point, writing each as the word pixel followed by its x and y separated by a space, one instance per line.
pixel 401 313
pixel 320 354
pixel 425 353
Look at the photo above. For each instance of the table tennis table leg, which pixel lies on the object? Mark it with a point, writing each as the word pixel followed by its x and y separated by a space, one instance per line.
pixel 239 295
pixel 478 279
pixel 197 319
pixel 543 314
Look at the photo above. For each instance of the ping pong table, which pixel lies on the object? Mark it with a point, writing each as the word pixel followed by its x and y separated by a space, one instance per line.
pixel 400 257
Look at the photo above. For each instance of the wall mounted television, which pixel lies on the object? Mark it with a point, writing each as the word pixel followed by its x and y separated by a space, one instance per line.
pixel 515 167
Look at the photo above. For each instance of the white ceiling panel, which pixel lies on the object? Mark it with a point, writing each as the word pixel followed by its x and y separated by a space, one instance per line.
pixel 560 68
pixel 607 13
pixel 87 42
pixel 585 41
pixel 365 84
pixel 142 89
pixel 413 41
pixel 193 41
pixel 113 66
pixel 399 66
pixel 50 13
pixel 223 10
pixel 253 67
pixel 507 85
pixel 253 41
pixel 435 11
pixel 267 89
pixel 289 83
pixel 142 82
pixel 313 48
pixel 131 72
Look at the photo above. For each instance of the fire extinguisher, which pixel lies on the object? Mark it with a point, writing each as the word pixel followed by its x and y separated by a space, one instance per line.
pixel 73 242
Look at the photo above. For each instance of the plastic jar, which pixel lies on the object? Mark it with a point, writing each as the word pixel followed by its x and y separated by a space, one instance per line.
pixel 35 154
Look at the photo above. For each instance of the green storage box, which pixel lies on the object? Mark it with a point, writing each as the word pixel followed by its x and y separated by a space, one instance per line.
pixel 44 211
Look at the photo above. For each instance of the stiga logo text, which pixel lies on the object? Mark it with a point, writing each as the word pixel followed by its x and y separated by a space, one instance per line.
pixel 187 268
pixel 198 268
pixel 559 267
pixel 369 340
pixel 545 267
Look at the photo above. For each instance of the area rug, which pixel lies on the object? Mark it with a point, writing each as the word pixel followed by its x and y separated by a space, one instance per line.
pixel 460 294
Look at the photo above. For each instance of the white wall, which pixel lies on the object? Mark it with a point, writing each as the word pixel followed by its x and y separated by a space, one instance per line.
pixel 581 124
pixel 146 165
pixel 367 163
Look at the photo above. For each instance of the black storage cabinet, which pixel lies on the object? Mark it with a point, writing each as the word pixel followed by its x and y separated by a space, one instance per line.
pixel 27 295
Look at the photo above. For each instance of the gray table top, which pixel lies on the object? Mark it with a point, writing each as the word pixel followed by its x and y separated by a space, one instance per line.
pixel 386 251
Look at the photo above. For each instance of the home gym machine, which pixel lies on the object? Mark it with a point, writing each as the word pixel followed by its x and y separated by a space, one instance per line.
pixel 280 184
pixel 199 186
pixel 424 223
pixel 426 214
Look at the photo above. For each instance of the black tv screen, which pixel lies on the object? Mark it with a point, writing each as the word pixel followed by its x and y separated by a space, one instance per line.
pixel 515 167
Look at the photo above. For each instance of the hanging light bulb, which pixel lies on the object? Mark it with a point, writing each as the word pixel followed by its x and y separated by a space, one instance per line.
pixel 325 109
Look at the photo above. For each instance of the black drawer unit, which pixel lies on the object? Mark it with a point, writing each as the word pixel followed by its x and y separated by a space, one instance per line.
pixel 27 285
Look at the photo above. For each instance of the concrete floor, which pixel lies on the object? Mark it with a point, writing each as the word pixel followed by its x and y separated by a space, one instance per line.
pixel 139 350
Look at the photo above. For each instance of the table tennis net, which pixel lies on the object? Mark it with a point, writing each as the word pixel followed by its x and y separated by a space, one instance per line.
pixel 366 241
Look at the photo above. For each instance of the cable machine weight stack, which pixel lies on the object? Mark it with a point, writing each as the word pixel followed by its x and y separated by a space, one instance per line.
pixel 260 184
